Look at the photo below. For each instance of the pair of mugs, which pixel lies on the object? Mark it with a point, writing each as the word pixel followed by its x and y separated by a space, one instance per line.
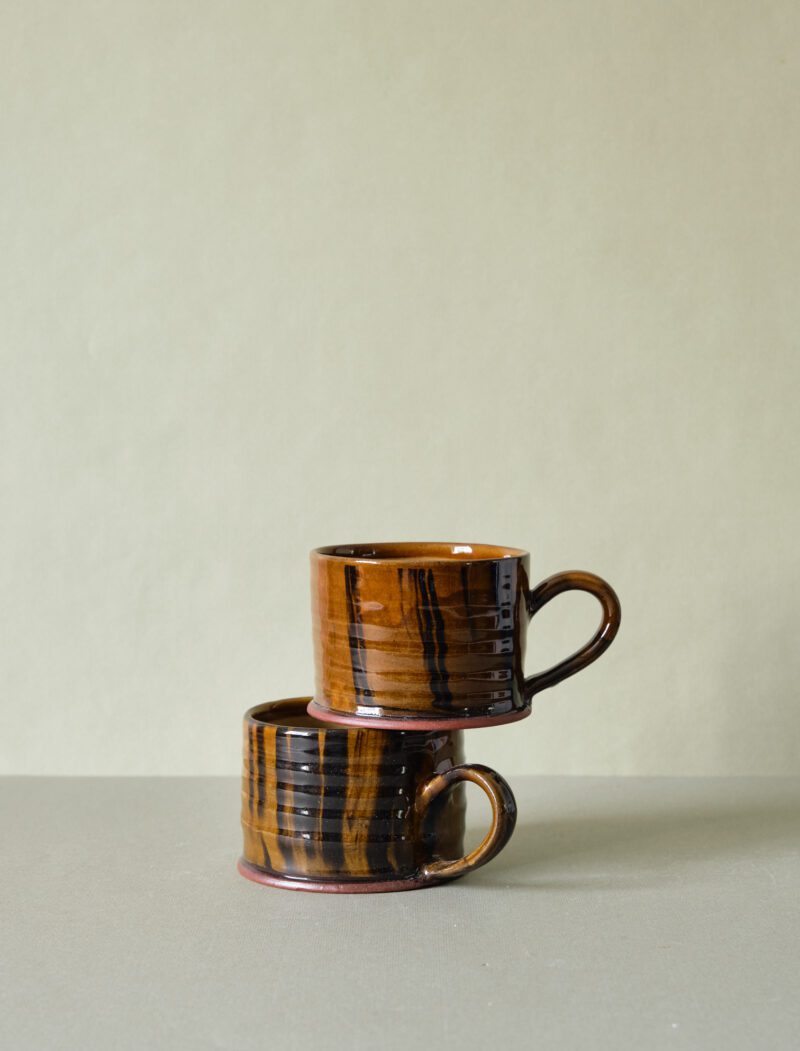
pixel 413 642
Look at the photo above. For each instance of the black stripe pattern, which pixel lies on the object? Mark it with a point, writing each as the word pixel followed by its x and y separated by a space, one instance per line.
pixel 355 634
pixel 432 635
pixel 341 804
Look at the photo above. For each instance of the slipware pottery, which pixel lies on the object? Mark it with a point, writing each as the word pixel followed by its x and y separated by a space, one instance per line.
pixel 433 635
pixel 349 810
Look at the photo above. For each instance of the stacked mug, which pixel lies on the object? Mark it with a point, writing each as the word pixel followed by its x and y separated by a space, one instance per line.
pixel 360 788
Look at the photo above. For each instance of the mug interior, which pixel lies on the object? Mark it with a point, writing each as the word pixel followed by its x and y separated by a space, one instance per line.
pixel 290 714
pixel 419 551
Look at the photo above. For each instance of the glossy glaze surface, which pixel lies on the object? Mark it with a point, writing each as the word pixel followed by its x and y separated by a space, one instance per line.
pixel 434 634
pixel 326 808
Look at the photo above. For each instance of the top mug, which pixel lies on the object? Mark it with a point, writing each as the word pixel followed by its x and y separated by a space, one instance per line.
pixel 432 635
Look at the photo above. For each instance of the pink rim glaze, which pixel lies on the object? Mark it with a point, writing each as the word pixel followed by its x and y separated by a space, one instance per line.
pixel 383 722
pixel 268 879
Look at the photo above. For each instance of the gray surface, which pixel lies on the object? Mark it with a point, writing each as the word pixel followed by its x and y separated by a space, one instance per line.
pixel 625 913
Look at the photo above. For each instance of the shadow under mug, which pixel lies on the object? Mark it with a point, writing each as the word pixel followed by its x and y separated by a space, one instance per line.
pixel 346 810
pixel 414 635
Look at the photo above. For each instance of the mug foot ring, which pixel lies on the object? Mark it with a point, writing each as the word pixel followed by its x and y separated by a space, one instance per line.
pixel 269 879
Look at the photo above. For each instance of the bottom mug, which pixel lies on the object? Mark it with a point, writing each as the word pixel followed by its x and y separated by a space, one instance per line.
pixel 340 809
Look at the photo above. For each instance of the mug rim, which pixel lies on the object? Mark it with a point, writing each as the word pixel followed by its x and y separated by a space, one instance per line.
pixel 395 553
pixel 299 706
pixel 286 706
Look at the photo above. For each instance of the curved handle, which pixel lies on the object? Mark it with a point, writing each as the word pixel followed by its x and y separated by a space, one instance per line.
pixel 575 580
pixel 504 817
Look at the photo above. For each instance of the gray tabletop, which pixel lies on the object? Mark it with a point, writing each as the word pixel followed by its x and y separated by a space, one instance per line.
pixel 625 913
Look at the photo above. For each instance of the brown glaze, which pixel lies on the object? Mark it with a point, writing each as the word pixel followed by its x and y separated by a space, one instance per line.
pixel 325 808
pixel 433 634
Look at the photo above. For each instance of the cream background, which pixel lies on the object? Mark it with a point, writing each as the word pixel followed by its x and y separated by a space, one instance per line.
pixel 282 274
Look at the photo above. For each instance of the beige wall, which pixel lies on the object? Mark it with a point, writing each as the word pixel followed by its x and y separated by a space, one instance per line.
pixel 282 274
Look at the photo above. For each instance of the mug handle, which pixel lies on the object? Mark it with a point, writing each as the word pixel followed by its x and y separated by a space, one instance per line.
pixel 504 817
pixel 574 580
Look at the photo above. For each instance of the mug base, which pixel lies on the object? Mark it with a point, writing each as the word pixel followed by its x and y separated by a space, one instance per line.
pixel 388 722
pixel 271 879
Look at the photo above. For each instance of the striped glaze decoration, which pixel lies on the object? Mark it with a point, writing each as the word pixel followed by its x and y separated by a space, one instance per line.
pixel 341 809
pixel 434 634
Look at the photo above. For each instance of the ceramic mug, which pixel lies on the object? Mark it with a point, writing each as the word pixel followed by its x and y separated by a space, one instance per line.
pixel 433 634
pixel 343 810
